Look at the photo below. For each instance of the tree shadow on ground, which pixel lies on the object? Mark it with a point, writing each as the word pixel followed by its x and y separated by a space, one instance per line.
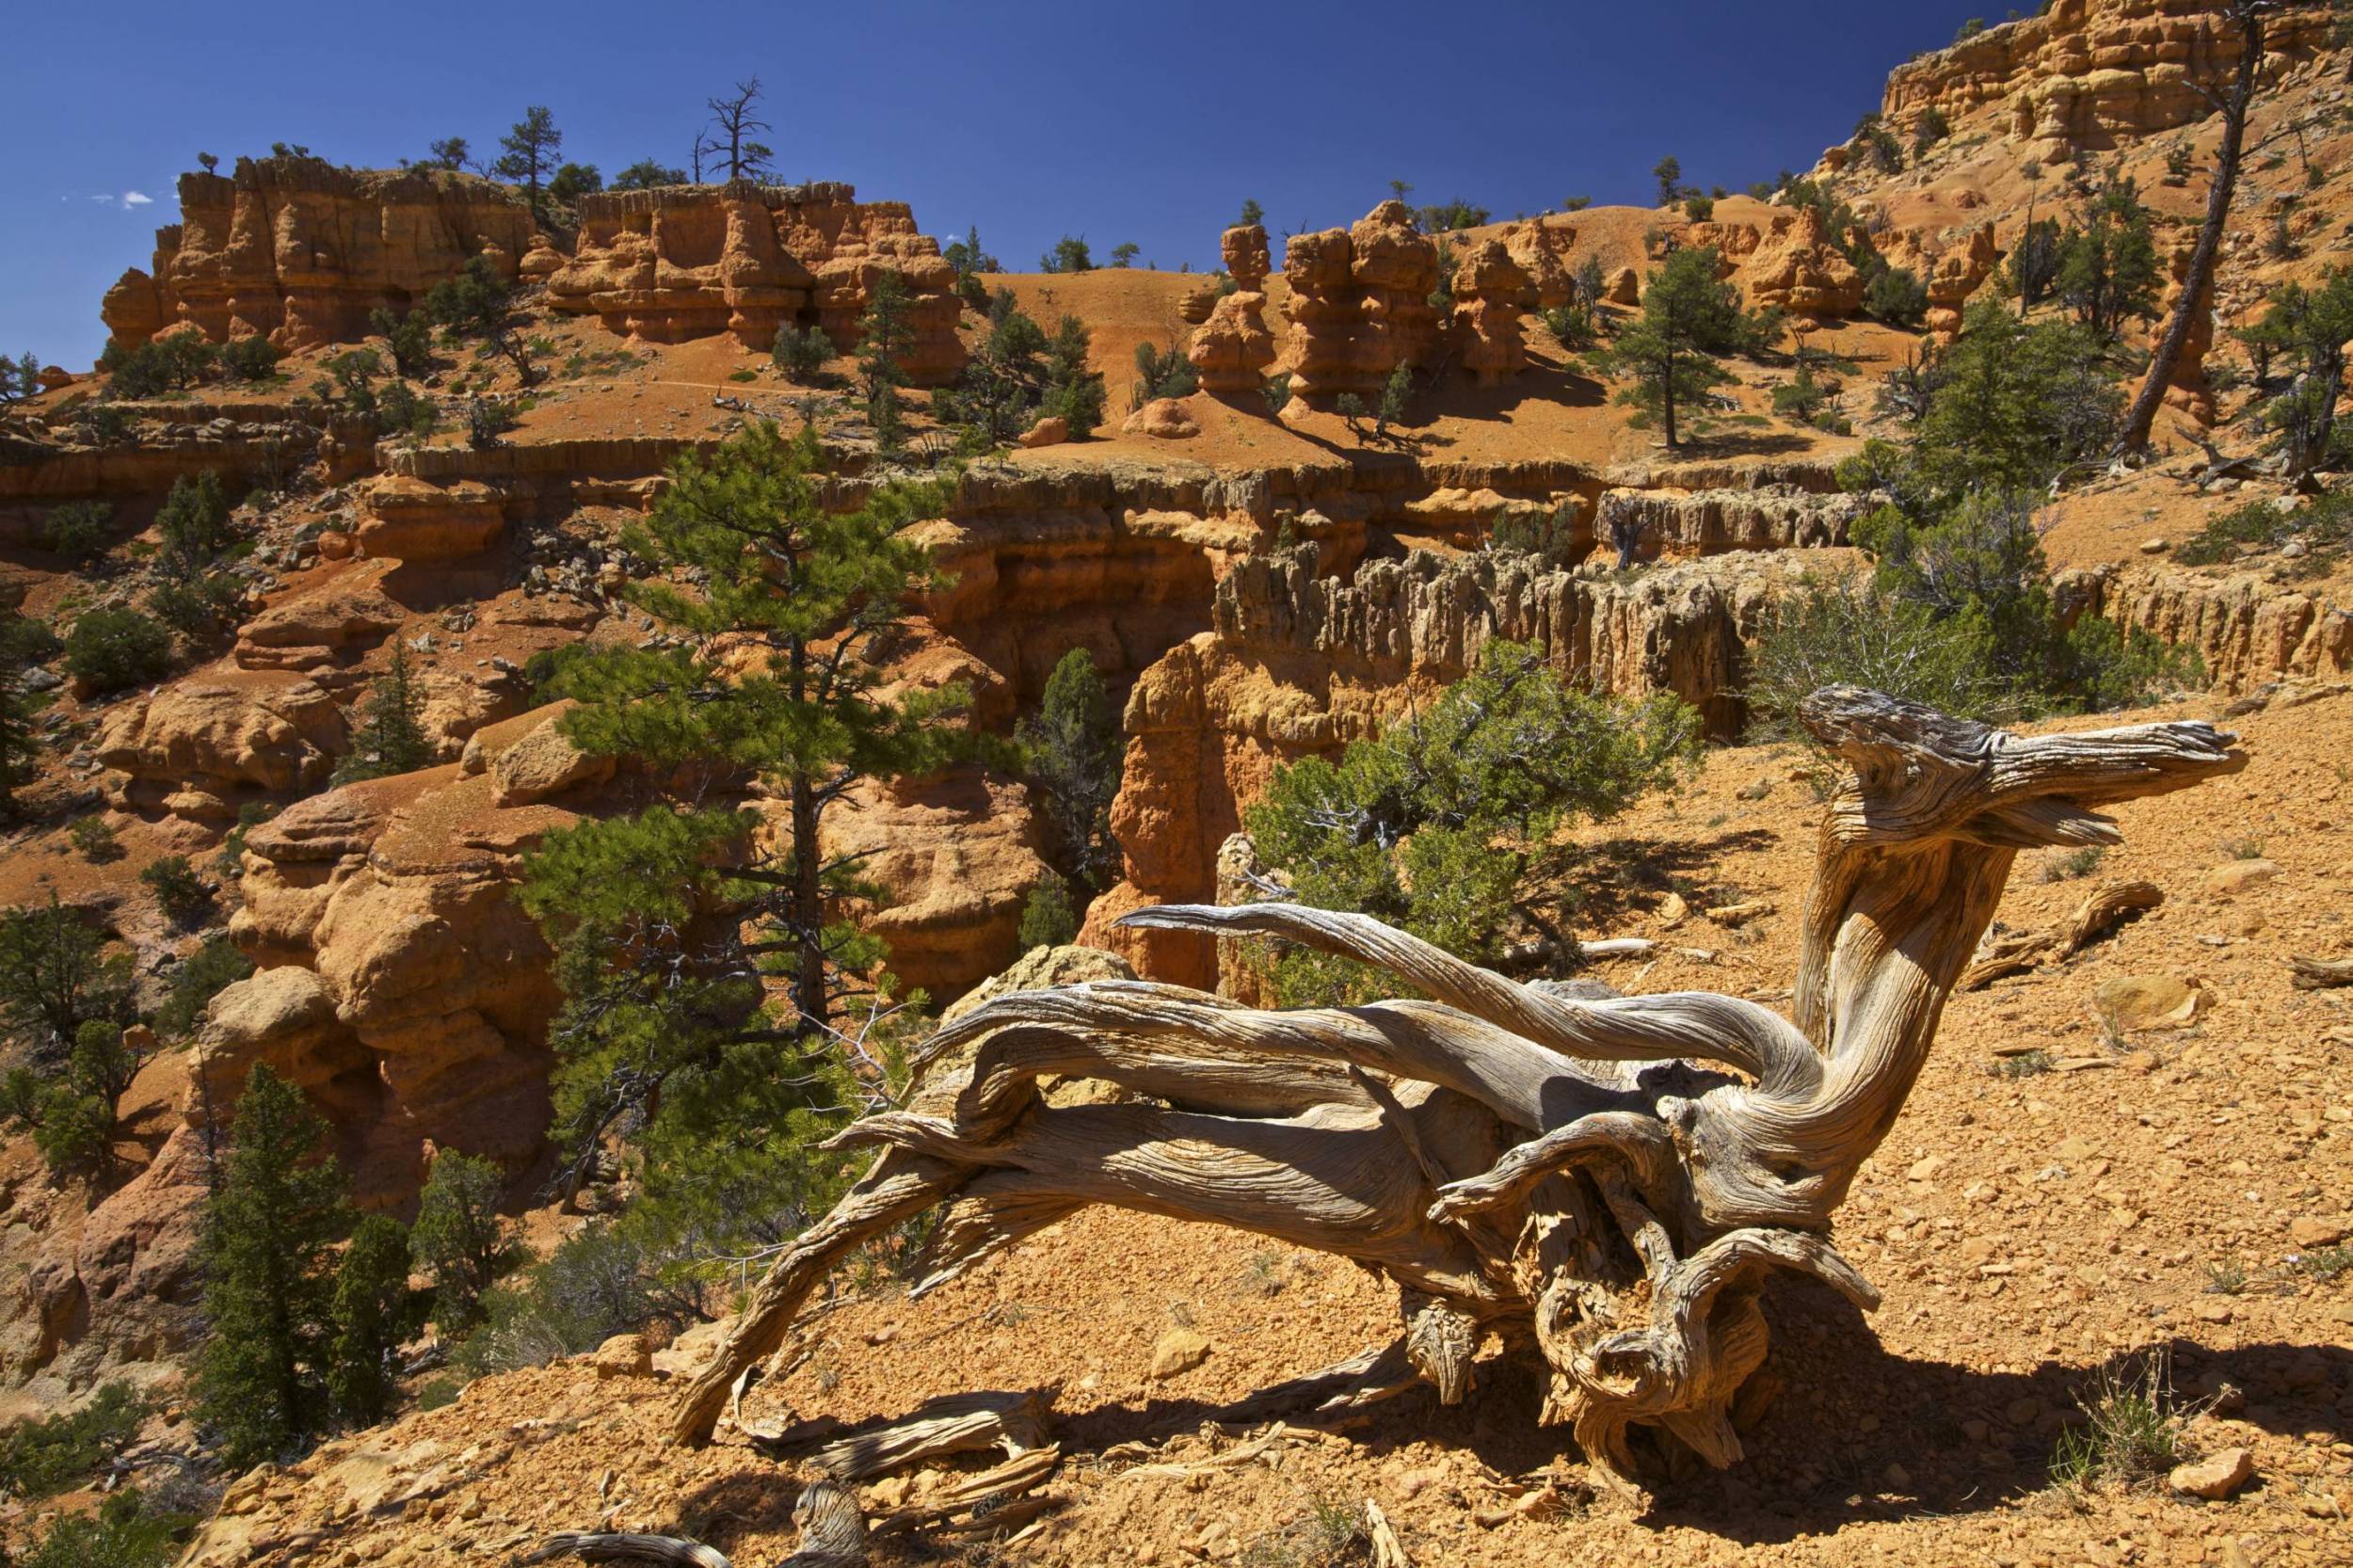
pixel 1620 878
pixel 1856 1432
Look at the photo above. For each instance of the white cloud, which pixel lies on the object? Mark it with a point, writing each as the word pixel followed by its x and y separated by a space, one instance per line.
pixel 103 196
pixel 138 198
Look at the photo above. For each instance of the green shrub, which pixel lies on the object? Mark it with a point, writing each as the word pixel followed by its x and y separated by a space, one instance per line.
pixel 57 1453
pixel 123 1533
pixel 594 1285
pixel 460 1238
pixel 1162 373
pixel 401 411
pixel 197 978
pixel 1896 296
pixel 1558 539
pixel 57 972
pixel 801 353
pixel 1839 633
pixel 179 891
pixel 1276 390
pixel 1445 821
pixel 112 650
pixel 371 1317
pixel 252 358
pixel 2130 1432
pixel 196 608
pixel 1572 326
pixel 77 530
pixel 193 528
pixel 94 841
pixel 1699 209
pixel 2325 524
pixel 1047 918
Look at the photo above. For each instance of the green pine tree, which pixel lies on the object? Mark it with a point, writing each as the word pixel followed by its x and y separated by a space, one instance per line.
pixel 1072 749
pixel 1670 351
pixel 22 641
pixel 269 1283
pixel 886 330
pixel 371 1319
pixel 664 922
pixel 389 738
pixel 460 1238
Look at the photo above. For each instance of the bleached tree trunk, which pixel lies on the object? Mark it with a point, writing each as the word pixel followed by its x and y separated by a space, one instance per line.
pixel 1609 1180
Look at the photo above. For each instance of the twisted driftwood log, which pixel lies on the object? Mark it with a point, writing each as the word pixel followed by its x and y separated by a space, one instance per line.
pixel 1612 1179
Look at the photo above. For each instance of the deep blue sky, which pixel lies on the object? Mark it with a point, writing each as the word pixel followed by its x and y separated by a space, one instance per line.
pixel 1116 120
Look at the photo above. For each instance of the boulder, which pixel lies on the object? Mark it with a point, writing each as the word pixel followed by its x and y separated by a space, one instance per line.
pixel 1051 431
pixel 219 735
pixel 543 763
pixel 2215 1476
pixel 2131 1002
pixel 409 520
pixel 1164 419
pixel 1178 1350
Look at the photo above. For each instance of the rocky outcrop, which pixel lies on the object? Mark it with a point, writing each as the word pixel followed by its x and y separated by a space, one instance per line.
pixel 301 251
pixel 2091 73
pixel 2246 629
pixel 402 985
pixel 1540 249
pixel 410 519
pixel 1489 288
pixel 404 988
pixel 1359 303
pixel 1232 349
pixel 955 856
pixel 1297 663
pixel 1794 268
pixel 202 745
pixel 1654 523
pixel 690 261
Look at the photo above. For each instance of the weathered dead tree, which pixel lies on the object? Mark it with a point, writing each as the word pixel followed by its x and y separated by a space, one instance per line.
pixel 1610 1180
pixel 2318 974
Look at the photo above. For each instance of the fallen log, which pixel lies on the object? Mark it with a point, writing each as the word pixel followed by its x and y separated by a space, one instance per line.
pixel 960 1423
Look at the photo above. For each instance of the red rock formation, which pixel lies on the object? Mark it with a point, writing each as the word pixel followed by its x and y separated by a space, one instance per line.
pixel 1298 663
pixel 301 251
pixel 690 261
pixel 2089 73
pixel 1359 303
pixel 1796 268
pixel 1488 289
pixel 1233 347
pixel 204 743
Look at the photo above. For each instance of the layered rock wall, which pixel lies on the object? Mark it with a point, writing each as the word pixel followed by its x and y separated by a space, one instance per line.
pixel 1657 523
pixel 2245 628
pixel 690 261
pixel 2092 72
pixel 301 251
